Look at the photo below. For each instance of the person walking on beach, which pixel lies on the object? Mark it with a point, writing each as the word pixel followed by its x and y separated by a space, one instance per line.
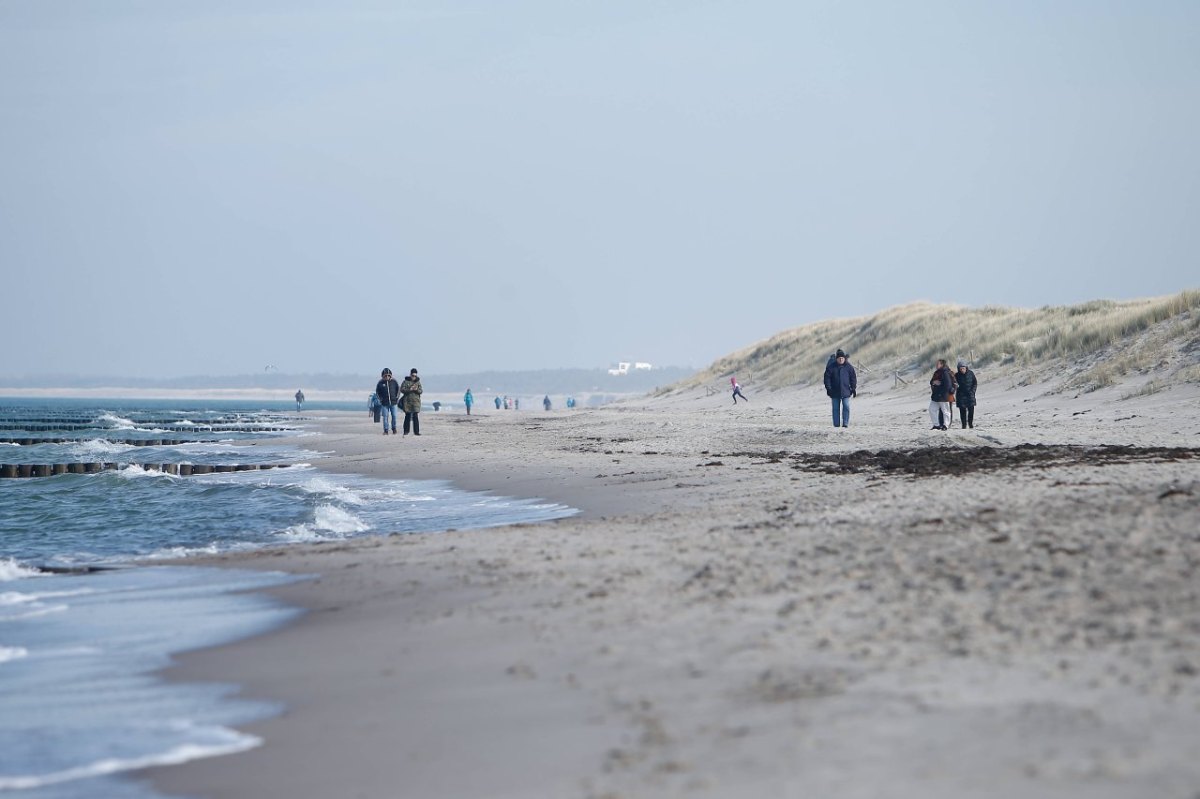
pixel 941 387
pixel 299 398
pixel 964 397
pixel 468 401
pixel 737 389
pixel 410 390
pixel 546 402
pixel 499 402
pixel 841 383
pixel 388 392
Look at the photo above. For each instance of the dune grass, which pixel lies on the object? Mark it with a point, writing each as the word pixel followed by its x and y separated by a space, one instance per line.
pixel 1095 343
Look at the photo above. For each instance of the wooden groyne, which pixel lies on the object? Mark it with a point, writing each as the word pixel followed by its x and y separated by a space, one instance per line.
pixel 54 427
pixel 276 419
pixel 12 470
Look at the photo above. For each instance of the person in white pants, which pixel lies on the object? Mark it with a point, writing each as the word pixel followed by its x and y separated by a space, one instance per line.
pixel 941 387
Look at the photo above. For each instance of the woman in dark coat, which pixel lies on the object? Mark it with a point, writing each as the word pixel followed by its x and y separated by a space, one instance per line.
pixel 964 398
pixel 410 392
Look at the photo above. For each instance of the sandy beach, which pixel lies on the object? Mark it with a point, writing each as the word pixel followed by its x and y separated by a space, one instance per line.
pixel 750 603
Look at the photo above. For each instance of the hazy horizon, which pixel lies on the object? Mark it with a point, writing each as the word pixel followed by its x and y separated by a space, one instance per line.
pixel 221 188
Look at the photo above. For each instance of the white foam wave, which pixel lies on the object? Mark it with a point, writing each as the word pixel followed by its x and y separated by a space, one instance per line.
pixel 339 491
pixel 8 653
pixel 11 570
pixel 133 471
pixel 15 598
pixel 40 610
pixel 225 742
pixel 329 521
pixel 120 422
pixel 337 520
pixel 177 553
pixel 99 446
pixel 19 598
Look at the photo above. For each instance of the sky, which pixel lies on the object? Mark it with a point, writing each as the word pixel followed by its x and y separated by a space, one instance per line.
pixel 218 187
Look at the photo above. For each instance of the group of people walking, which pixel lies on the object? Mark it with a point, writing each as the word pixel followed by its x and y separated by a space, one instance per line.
pixel 406 395
pixel 952 388
pixel 946 388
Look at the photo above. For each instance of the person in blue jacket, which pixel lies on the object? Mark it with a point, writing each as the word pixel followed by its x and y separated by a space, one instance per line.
pixel 468 400
pixel 841 383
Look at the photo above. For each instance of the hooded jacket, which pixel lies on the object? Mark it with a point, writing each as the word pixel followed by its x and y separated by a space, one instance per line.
pixel 411 391
pixel 841 380
pixel 967 382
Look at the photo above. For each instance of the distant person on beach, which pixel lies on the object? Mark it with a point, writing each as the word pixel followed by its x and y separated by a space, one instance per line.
pixel 941 387
pixel 499 402
pixel 387 390
pixel 468 401
pixel 299 398
pixel 546 402
pixel 373 406
pixel 841 383
pixel 737 390
pixel 964 397
pixel 410 390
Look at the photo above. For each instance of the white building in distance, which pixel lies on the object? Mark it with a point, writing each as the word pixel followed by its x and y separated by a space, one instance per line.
pixel 624 366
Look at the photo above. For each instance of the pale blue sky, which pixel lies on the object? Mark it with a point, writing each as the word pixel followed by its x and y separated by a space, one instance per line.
pixel 211 187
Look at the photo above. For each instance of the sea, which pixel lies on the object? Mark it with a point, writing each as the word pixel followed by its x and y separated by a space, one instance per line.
pixel 94 602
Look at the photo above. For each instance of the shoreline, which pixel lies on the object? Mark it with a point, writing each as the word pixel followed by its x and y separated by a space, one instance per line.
pixel 725 618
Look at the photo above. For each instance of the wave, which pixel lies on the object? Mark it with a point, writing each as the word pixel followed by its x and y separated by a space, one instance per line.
pixel 119 422
pixel 326 486
pixel 224 741
pixel 329 521
pixel 179 553
pixel 11 570
pixel 134 471
pixel 37 612
pixel 100 446
pixel 8 653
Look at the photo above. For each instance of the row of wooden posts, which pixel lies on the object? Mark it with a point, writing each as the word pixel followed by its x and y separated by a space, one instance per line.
pixel 182 469
pixel 91 421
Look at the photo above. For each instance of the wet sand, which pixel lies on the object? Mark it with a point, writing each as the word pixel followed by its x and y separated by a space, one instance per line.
pixel 751 603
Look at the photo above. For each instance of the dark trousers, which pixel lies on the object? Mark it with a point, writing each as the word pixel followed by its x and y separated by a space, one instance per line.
pixel 967 415
pixel 411 416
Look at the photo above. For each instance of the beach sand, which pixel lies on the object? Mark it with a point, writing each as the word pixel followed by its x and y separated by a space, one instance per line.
pixel 751 603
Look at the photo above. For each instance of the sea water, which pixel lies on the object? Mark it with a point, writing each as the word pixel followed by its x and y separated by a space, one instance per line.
pixel 83 630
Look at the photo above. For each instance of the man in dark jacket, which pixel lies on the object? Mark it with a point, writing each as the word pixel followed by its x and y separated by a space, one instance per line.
pixel 964 397
pixel 388 392
pixel 941 386
pixel 841 383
